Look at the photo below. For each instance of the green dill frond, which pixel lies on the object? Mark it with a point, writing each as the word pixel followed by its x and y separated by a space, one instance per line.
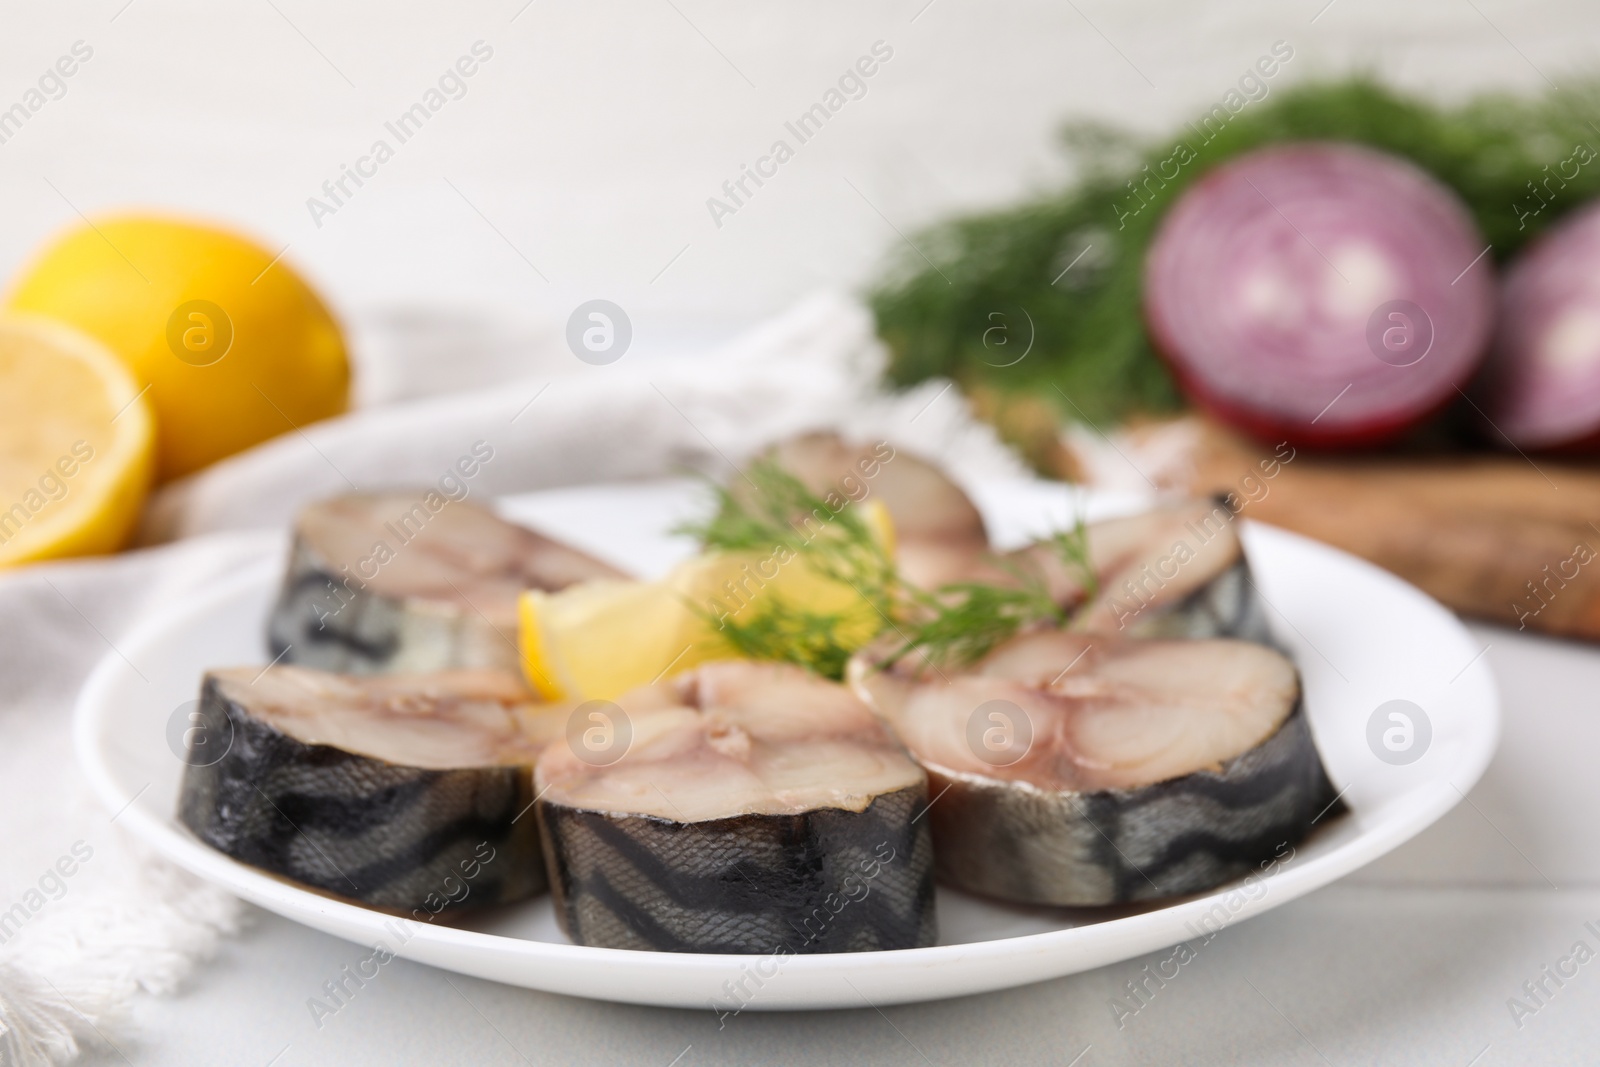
pixel 771 511
pixel 956 624
pixel 759 511
pixel 771 508
pixel 967 619
pixel 1090 343
pixel 785 634
pixel 1073 548
pixel 731 528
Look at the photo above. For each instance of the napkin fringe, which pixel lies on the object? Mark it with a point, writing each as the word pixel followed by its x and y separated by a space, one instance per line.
pixel 69 979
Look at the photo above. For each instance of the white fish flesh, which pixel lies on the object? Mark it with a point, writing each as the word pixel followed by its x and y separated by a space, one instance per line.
pixel 757 809
pixel 379 582
pixel 1083 769
pixel 402 792
pixel 1174 571
pixel 938 531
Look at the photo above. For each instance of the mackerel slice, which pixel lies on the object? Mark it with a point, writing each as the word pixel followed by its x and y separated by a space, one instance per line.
pixel 402 792
pixel 411 581
pixel 1080 769
pixel 938 531
pixel 759 809
pixel 1174 571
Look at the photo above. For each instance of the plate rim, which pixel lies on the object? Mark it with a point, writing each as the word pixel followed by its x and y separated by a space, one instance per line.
pixel 1110 940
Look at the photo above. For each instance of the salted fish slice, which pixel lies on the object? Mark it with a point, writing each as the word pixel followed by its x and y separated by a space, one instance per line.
pixel 1178 570
pixel 938 530
pixel 1080 769
pixel 410 581
pixel 402 792
pixel 758 809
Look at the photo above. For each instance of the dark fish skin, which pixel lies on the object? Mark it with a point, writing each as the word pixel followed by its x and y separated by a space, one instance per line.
pixel 1226 606
pixel 390 581
pixel 1229 605
pixel 1029 846
pixel 370 632
pixel 1133 598
pixel 828 880
pixel 391 837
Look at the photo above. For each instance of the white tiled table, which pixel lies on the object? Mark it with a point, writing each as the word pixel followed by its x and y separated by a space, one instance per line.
pixel 1410 961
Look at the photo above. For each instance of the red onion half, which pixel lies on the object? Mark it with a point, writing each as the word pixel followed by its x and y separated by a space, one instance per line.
pixel 1541 387
pixel 1324 293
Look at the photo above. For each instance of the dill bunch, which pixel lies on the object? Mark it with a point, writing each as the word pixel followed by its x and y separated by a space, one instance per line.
pixel 1089 337
pixel 786 634
pixel 770 511
pixel 1073 548
pixel 964 620
pixel 953 625
pixel 959 623
pixel 773 508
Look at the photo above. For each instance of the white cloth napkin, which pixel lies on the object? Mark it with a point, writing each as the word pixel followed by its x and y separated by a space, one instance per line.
pixel 570 423
pixel 78 946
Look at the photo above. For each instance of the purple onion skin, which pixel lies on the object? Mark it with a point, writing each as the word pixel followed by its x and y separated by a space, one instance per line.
pixel 1271 286
pixel 1541 385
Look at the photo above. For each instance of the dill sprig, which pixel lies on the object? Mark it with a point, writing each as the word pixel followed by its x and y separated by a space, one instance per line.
pixel 955 624
pixel 959 623
pixel 966 619
pixel 758 519
pixel 772 510
pixel 1073 548
pixel 786 634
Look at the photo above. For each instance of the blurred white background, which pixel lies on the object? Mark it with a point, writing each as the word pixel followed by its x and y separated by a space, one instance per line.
pixel 586 148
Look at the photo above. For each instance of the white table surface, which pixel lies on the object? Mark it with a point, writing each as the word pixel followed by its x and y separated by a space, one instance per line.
pixel 1410 961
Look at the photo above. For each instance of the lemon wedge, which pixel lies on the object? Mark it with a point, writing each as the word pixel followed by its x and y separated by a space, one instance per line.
pixel 596 640
pixel 76 443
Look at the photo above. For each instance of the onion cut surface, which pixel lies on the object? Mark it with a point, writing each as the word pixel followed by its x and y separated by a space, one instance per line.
pixel 1541 388
pixel 1269 288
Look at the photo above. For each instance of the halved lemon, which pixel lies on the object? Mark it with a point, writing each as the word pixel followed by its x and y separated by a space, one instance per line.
pixel 235 346
pixel 599 639
pixel 76 443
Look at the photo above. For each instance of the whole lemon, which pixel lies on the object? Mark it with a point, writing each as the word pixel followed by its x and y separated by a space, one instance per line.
pixel 234 346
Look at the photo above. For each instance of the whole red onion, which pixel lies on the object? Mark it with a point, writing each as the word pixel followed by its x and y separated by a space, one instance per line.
pixel 1324 293
pixel 1541 386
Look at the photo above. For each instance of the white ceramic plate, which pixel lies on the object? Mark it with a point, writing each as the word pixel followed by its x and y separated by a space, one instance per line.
pixel 1361 637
